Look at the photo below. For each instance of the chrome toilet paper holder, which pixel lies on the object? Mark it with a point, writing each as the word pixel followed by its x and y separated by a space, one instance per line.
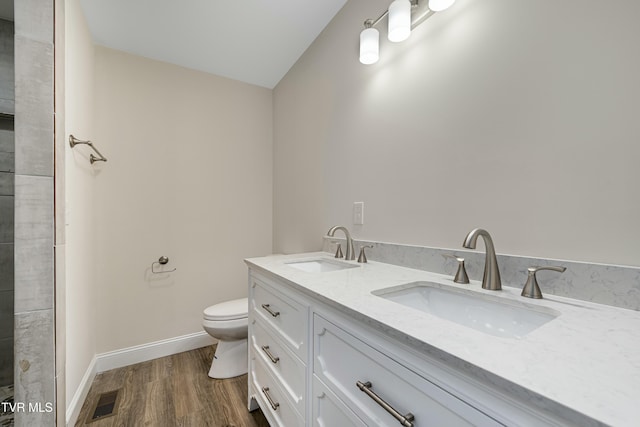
pixel 161 261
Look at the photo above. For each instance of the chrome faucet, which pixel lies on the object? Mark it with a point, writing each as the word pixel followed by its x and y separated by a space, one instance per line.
pixel 491 277
pixel 349 254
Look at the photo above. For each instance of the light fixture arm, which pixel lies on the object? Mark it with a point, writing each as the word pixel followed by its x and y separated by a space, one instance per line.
pixel 369 23
pixel 421 18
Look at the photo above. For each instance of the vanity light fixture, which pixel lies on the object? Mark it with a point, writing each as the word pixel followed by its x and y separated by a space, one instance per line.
pixel 440 5
pixel 399 21
pixel 399 28
pixel 369 44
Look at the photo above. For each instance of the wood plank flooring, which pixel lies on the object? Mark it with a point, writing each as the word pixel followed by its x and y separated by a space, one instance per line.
pixel 172 391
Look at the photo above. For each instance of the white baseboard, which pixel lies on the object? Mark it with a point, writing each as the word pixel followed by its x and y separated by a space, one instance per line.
pixel 129 356
pixel 153 350
pixel 74 407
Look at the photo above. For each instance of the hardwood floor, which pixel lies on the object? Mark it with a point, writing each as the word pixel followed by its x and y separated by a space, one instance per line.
pixel 172 391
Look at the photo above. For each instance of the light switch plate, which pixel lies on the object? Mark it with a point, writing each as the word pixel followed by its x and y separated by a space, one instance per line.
pixel 358 213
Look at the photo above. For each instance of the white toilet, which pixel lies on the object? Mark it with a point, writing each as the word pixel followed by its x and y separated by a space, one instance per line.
pixel 228 322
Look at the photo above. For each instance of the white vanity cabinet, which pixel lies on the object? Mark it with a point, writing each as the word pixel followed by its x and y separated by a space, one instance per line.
pixel 311 364
pixel 278 349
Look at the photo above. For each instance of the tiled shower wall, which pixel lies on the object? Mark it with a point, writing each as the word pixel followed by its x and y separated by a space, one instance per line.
pixel 34 374
pixel 6 201
pixel 7 92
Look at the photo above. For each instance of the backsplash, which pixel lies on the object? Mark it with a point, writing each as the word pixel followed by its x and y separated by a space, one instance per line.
pixel 618 286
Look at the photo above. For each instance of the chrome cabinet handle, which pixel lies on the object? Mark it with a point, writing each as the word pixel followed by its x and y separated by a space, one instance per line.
pixel 271 312
pixel 274 359
pixel 405 420
pixel 274 405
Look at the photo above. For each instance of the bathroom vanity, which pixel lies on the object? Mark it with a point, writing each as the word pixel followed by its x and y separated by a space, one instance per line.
pixel 337 343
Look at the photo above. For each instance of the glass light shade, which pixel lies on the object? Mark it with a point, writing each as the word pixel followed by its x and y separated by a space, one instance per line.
pixel 399 20
pixel 439 5
pixel 369 46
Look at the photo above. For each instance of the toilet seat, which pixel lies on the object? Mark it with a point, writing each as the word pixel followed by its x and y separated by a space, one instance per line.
pixel 228 310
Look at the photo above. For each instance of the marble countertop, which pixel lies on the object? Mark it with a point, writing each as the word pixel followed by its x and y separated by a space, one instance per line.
pixel 587 359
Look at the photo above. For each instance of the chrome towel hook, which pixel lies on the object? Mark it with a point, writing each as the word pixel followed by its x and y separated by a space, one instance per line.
pixel 162 261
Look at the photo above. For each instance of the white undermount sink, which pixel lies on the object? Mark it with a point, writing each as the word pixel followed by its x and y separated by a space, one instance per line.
pixel 492 315
pixel 320 265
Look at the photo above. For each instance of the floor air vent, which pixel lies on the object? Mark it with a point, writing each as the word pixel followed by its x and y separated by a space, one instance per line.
pixel 106 406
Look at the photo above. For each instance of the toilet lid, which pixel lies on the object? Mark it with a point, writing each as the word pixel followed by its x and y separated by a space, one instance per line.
pixel 228 310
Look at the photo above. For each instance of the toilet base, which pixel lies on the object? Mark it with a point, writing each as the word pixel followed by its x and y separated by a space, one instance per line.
pixel 230 360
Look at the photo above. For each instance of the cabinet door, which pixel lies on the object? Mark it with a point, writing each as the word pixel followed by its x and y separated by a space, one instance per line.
pixel 287 317
pixel 329 410
pixel 355 372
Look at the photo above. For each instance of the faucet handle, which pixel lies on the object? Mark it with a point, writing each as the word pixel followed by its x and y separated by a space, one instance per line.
pixel 339 251
pixel 461 274
pixel 531 288
pixel 362 258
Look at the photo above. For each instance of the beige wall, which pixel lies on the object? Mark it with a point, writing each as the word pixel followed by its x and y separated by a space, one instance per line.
pixel 79 203
pixel 509 115
pixel 189 176
pixel 516 116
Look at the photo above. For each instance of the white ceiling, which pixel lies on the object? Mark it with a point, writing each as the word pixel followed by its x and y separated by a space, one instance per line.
pixel 255 41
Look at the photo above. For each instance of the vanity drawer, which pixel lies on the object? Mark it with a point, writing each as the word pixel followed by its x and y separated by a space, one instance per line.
pixel 287 317
pixel 271 396
pixel 281 362
pixel 342 362
pixel 329 410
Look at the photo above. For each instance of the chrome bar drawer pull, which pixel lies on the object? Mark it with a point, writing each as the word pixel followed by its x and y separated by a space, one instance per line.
pixel 265 348
pixel 405 420
pixel 271 312
pixel 274 405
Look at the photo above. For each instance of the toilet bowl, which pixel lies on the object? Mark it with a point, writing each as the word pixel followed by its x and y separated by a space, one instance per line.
pixel 228 323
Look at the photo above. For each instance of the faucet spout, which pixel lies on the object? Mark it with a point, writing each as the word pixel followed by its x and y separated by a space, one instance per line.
pixel 491 277
pixel 349 254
